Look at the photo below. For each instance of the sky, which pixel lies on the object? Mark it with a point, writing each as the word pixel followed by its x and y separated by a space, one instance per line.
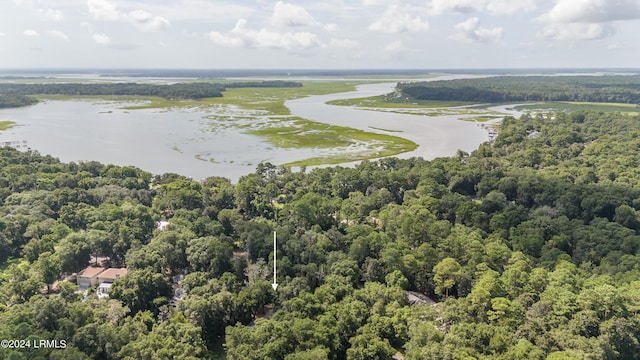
pixel 328 34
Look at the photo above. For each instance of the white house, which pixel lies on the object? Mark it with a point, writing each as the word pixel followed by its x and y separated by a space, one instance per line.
pixel 88 277
pixel 111 275
pixel 103 290
pixel 106 279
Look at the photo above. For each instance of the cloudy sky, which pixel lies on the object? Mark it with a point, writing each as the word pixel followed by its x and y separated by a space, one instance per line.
pixel 426 34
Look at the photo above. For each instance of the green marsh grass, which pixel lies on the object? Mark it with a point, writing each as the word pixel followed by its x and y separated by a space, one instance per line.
pixel 270 101
pixel 303 133
pixel 578 106
pixel 433 112
pixel 282 130
pixel 6 124
pixel 380 101
pixel 387 130
pixel 481 118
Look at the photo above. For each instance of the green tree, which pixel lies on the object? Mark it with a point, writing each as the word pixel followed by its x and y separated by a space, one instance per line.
pixel 49 266
pixel 210 254
pixel 446 274
pixel 368 346
pixel 142 290
pixel 396 278
pixel 24 282
pixel 173 339
pixel 74 252
pixel 313 209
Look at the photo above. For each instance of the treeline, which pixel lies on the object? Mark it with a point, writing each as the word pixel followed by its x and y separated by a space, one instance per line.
pixel 264 83
pixel 530 246
pixel 611 89
pixel 11 101
pixel 196 90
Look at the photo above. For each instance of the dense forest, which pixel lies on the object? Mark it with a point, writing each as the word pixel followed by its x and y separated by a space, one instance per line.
pixel 529 246
pixel 195 90
pixel 611 89
pixel 11 101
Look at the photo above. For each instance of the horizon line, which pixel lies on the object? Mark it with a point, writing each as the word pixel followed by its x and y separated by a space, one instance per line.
pixel 320 69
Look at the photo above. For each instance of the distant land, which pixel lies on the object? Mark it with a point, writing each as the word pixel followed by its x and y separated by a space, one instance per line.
pixel 220 73
pixel 285 116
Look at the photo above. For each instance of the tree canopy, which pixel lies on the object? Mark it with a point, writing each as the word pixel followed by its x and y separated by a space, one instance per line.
pixel 526 248
pixel 612 89
pixel 14 94
pixel 11 101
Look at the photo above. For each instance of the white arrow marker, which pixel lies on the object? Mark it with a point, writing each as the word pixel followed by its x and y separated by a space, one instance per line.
pixel 275 284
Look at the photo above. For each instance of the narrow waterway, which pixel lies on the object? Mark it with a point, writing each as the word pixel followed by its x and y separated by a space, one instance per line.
pixel 436 135
pixel 193 143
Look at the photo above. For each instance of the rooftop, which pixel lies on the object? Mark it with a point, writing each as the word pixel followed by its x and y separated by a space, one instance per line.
pixel 113 273
pixel 416 298
pixel 91 271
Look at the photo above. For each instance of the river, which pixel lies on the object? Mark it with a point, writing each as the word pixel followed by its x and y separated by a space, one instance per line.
pixel 186 141
pixel 437 135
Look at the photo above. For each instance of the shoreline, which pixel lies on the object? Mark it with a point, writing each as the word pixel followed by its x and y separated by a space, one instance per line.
pixel 215 143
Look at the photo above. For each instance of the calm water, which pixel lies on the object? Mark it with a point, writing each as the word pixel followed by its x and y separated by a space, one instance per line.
pixel 159 141
pixel 437 136
pixel 189 143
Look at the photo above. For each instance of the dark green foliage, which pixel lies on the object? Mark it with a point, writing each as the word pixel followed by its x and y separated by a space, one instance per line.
pixel 174 91
pixel 11 101
pixel 530 245
pixel 142 290
pixel 12 95
pixel 613 89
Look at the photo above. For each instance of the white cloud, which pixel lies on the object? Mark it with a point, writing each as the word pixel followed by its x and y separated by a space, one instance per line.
pixel 106 10
pixel 241 36
pixel 30 32
pixel 509 7
pixel 592 11
pixel 395 46
pixel 373 2
pixel 495 7
pixel 147 22
pixel 576 31
pixel 53 15
pixel 58 34
pixel 290 15
pixel 199 10
pixel 616 45
pixel 232 39
pixel 459 6
pixel 284 16
pixel 225 40
pixel 101 39
pixel 103 10
pixel 396 20
pixel 343 43
pixel 331 27
pixel 86 25
pixel 471 31
pixel 586 19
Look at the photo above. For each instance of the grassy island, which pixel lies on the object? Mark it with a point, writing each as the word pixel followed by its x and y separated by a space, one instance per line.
pixel 6 124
